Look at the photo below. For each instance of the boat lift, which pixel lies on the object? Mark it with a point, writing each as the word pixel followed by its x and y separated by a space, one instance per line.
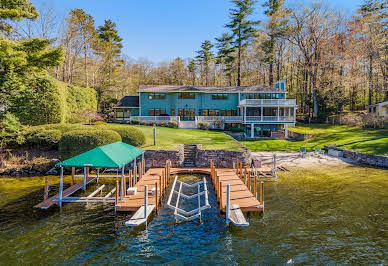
pixel 193 214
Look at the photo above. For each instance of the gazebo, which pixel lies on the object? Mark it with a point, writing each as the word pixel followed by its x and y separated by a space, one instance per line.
pixel 113 156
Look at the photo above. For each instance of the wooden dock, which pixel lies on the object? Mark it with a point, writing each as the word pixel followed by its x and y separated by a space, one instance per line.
pixel 67 192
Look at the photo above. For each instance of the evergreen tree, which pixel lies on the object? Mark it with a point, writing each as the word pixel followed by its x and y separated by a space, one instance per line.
pixel 243 29
pixel 205 57
pixel 82 25
pixel 226 55
pixel 276 28
pixel 192 68
pixel 15 10
pixel 108 47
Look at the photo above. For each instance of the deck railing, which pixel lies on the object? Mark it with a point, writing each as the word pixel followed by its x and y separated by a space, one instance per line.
pixel 240 119
pixel 273 102
pixel 153 118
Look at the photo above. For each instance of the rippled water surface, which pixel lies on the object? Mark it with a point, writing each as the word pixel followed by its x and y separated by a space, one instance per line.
pixel 311 216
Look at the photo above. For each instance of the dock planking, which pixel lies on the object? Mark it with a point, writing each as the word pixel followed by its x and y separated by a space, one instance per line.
pixel 67 192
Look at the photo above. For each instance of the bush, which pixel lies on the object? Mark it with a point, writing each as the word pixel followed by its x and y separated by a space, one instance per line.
pixel 46 139
pixel 10 123
pixel 130 135
pixel 143 123
pixel 162 124
pixel 151 123
pixel 173 124
pixel 100 123
pixel 135 122
pixel 237 129
pixel 203 125
pixel 78 141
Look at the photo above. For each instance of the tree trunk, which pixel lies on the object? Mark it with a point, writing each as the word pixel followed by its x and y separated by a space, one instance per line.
pixel 239 66
pixel 270 74
pixel 370 79
pixel 86 66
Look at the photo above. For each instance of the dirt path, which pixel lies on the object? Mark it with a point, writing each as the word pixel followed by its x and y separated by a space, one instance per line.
pixel 293 159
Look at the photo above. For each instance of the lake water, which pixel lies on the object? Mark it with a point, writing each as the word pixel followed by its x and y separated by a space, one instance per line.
pixel 312 216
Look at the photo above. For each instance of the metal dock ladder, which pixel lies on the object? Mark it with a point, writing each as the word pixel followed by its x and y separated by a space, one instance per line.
pixel 193 214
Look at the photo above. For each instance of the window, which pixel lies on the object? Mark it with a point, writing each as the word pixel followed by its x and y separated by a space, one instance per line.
pixel 156 96
pixel 219 96
pixel 156 112
pixel 172 112
pixel 186 95
pixel 119 114
pixel 228 112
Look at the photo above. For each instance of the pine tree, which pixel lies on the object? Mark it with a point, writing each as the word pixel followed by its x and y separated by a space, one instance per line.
pixel 226 56
pixel 82 25
pixel 276 28
pixel 15 10
pixel 192 68
pixel 205 57
pixel 243 29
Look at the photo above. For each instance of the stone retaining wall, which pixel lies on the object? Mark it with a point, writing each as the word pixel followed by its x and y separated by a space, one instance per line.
pixel 358 157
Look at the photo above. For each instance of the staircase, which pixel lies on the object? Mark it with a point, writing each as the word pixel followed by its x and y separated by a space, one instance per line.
pixel 190 152
pixel 187 124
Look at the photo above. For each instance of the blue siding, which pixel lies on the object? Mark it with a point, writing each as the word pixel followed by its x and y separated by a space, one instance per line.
pixel 147 104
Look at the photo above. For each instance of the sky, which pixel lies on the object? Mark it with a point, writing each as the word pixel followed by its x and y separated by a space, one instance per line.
pixel 161 30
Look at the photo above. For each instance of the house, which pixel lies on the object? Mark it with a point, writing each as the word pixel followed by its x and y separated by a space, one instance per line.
pixel 379 109
pixel 259 110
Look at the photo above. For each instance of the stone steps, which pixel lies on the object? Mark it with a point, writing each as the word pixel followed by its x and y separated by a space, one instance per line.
pixel 190 152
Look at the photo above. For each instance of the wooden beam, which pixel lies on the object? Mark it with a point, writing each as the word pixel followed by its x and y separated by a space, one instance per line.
pixel 261 192
pixel 96 191
pixel 72 175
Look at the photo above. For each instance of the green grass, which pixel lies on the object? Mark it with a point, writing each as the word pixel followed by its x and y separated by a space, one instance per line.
pixel 169 138
pixel 374 141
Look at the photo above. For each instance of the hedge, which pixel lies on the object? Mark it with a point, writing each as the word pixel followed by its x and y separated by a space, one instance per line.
pixel 78 141
pixel 46 139
pixel 48 101
pixel 130 135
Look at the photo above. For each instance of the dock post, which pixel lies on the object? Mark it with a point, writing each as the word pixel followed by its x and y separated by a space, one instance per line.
pixel 72 175
pixel 122 184
pixel 145 200
pixel 156 196
pixel 227 203
pixel 117 191
pixel 46 186
pixel 255 185
pixel 220 196
pixel 60 187
pixel 237 166
pixel 87 171
pixel 84 182
pixel 262 193
pixel 249 180
pixel 240 170
pixel 131 181
pixel 135 173
pixel 98 174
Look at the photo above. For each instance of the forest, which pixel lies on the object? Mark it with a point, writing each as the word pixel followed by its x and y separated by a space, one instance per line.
pixel 331 62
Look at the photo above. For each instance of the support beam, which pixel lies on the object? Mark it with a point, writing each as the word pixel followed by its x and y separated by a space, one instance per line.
pixel 60 187
pixel 252 131
pixel 84 181
pixel 122 184
pixel 72 175
pixel 96 191
pixel 227 203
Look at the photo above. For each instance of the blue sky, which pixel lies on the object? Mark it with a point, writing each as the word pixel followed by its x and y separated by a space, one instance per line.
pixel 159 30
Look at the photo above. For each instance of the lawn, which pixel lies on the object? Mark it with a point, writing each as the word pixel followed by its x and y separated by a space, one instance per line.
pixel 373 141
pixel 169 138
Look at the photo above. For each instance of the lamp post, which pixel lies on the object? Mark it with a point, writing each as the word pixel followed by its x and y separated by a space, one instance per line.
pixel 154 130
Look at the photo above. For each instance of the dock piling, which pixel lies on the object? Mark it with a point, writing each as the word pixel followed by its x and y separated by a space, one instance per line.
pixel 60 187
pixel 227 203
pixel 46 187
pixel 261 192
pixel 145 200
pixel 72 175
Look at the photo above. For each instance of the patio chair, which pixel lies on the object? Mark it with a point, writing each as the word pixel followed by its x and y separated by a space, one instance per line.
pixel 318 151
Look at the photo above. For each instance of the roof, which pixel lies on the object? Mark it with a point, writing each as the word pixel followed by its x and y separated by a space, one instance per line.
pixel 128 101
pixel 380 103
pixel 207 89
pixel 114 155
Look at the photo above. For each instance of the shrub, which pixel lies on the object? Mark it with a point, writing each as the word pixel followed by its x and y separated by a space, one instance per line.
pixel 130 135
pixel 203 125
pixel 151 123
pixel 237 129
pixel 218 123
pixel 135 122
pixel 143 123
pixel 162 124
pixel 46 139
pixel 10 123
pixel 78 141
pixel 100 123
pixel 173 124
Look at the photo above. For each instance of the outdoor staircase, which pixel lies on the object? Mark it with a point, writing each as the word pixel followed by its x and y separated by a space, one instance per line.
pixel 187 124
pixel 190 152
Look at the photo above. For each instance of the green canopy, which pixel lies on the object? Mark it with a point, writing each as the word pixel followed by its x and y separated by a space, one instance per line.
pixel 114 155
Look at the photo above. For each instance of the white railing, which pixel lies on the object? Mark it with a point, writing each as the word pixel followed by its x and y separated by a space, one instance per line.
pixel 274 102
pixel 153 118
pixel 240 119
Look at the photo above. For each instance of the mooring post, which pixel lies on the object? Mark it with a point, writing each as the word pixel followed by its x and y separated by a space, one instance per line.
pixel 72 175
pixel 84 181
pixel 156 196
pixel 221 196
pixel 227 203
pixel 145 200
pixel 262 193
pixel 255 185
pixel 60 187
pixel 117 191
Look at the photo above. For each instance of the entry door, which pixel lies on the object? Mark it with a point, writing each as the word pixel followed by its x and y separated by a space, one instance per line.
pixel 186 114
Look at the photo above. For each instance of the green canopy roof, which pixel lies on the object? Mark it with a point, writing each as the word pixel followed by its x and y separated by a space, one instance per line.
pixel 114 155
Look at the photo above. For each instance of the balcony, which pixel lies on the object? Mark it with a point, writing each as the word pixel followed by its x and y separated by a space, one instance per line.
pixel 240 119
pixel 153 118
pixel 267 102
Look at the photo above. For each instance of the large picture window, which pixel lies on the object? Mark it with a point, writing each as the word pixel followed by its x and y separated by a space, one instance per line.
pixel 156 112
pixel 186 95
pixel 157 96
pixel 220 96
